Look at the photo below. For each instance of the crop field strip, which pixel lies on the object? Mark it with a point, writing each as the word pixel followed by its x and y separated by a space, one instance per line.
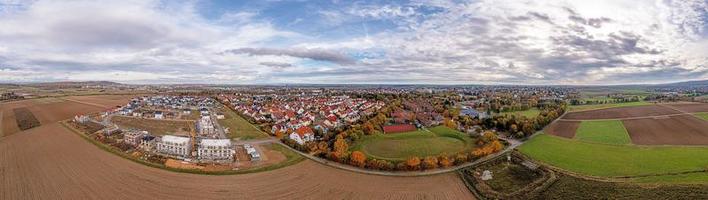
pixel 25 119
pixel 561 128
pixel 607 132
pixel 665 149
pixel 607 160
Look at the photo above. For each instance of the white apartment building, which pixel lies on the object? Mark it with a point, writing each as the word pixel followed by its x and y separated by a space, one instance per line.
pixel 205 126
pixel 215 150
pixel 176 146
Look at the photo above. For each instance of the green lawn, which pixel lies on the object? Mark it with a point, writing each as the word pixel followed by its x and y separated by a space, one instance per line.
pixel 239 127
pixel 421 143
pixel 532 112
pixel 614 160
pixel 702 115
pixel 608 132
pixel 609 105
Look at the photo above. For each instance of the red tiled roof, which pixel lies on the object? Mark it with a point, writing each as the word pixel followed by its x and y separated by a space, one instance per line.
pixel 303 130
pixel 398 128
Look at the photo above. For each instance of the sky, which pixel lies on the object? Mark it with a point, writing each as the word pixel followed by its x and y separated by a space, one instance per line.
pixel 354 42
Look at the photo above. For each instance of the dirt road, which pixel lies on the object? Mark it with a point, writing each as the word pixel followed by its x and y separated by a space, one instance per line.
pixel 49 162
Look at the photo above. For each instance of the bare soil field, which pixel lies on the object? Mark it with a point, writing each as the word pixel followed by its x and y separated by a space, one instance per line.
pixel 621 112
pixel 155 126
pixel 50 162
pixel 46 112
pixel 108 101
pixel 690 107
pixel 674 130
pixel 564 129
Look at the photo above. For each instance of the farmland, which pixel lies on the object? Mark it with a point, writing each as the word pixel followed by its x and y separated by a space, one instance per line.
pixel 674 130
pixel 608 132
pixel 614 160
pixel 420 143
pixel 75 163
pixel 563 128
pixel 45 111
pixel 608 105
pixel 622 112
pixel 25 119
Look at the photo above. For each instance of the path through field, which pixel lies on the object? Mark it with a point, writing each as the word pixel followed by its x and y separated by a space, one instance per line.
pixel 50 162
pixel 1 134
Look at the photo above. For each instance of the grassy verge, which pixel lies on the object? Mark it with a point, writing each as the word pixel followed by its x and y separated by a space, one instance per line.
pixel 239 127
pixel 608 132
pixel 688 178
pixel 291 158
pixel 609 105
pixel 614 160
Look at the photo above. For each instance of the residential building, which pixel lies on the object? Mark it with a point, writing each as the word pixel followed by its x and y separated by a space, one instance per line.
pixel 134 137
pixel 175 146
pixel 302 135
pixel 215 150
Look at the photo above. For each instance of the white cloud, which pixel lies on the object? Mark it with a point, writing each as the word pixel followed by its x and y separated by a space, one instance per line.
pixel 487 41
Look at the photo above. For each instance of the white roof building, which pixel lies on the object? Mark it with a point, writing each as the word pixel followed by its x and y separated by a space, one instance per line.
pixel 215 150
pixel 175 146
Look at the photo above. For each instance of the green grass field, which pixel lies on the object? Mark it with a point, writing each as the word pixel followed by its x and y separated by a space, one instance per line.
pixel 609 105
pixel 614 160
pixel 702 115
pixel 421 143
pixel 533 112
pixel 240 127
pixel 608 132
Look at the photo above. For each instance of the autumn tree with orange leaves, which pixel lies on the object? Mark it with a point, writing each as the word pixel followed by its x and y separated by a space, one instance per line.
pixel 358 158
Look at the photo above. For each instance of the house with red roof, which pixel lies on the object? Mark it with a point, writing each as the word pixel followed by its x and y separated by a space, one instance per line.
pixel 302 135
pixel 399 128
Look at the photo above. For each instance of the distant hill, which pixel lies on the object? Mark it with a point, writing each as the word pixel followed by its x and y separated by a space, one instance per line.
pixel 74 84
pixel 77 83
pixel 701 83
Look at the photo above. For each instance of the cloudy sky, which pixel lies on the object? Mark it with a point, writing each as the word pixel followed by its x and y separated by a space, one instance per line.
pixel 342 41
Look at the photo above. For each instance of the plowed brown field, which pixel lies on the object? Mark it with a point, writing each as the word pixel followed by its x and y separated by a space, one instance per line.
pixel 691 107
pixel 564 129
pixel 49 162
pixel 622 112
pixel 45 112
pixel 108 101
pixel 674 130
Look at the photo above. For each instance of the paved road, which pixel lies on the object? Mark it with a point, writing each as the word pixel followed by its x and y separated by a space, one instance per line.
pixel 87 103
pixel 258 141
pixel 1 133
pixel 514 144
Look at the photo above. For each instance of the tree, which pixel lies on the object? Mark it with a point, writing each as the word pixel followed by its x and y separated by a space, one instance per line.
pixel 446 161
pixel 430 162
pixel 369 128
pixel 340 145
pixel 278 134
pixel 413 163
pixel 460 158
pixel 358 158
